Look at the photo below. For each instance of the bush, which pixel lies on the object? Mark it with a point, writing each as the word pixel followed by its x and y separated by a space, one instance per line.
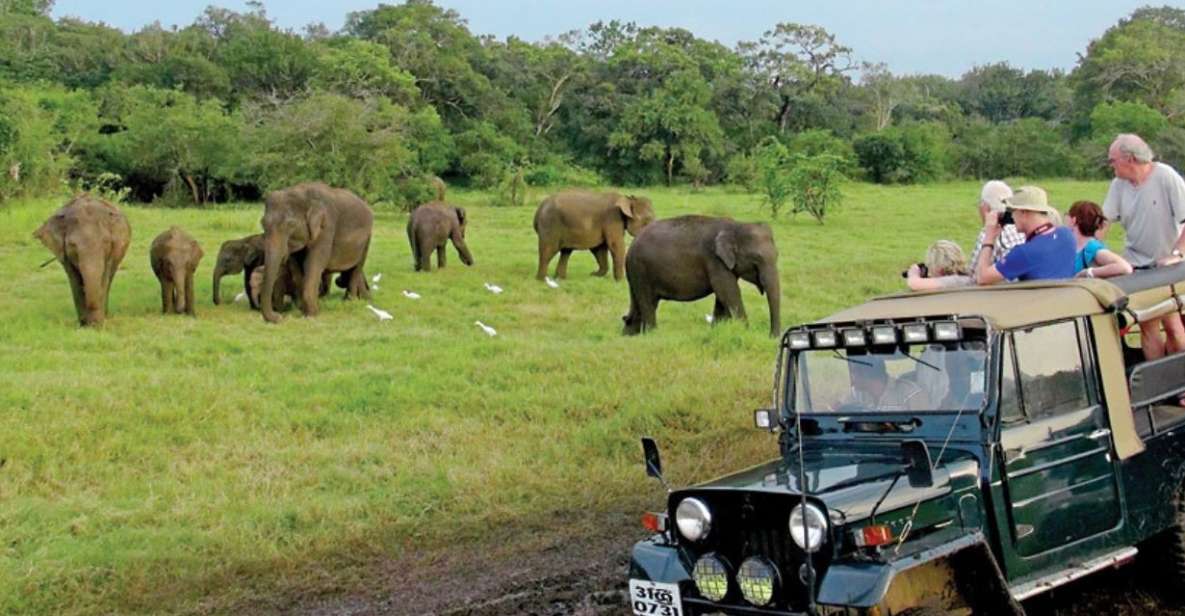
pixel 1030 147
pixel 773 162
pixel 1109 119
pixel 742 170
pixel 557 172
pixel 40 129
pixel 916 152
pixel 814 183
pixel 817 142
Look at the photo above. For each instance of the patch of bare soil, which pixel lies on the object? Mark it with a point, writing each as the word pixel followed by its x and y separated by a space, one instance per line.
pixel 579 569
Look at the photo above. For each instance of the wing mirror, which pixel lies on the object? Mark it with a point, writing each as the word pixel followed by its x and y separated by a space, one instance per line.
pixel 653 460
pixel 919 468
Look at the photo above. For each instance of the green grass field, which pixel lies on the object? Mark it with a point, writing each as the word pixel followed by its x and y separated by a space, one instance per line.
pixel 162 463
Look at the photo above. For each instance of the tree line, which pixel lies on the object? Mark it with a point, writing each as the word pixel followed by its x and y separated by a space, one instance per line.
pixel 232 106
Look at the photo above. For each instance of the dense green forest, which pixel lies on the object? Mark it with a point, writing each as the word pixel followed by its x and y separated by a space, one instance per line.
pixel 231 106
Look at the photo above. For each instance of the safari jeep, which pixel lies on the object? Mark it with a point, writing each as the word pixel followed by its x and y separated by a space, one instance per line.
pixel 953 452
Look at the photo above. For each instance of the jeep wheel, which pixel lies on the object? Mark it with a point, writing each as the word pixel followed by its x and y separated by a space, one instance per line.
pixel 1170 553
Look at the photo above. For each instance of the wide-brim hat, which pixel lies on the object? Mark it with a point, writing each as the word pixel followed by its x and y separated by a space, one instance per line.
pixel 1031 198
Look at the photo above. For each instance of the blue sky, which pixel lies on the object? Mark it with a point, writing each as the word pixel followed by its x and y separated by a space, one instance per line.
pixel 912 36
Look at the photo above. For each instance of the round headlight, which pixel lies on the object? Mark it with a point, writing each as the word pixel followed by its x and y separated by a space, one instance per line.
pixel 757 578
pixel 815 523
pixel 693 518
pixel 711 577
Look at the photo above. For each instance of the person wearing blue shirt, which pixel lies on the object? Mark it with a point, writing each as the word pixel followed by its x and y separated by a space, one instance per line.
pixel 1048 251
pixel 1093 260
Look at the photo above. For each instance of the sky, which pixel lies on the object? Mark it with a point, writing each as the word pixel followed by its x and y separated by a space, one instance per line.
pixel 946 37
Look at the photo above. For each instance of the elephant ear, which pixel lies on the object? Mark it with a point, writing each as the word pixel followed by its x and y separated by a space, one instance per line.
pixel 51 235
pixel 460 215
pixel 626 205
pixel 726 248
pixel 317 218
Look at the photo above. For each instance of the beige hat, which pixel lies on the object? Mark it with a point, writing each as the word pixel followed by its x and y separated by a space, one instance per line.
pixel 995 193
pixel 1030 198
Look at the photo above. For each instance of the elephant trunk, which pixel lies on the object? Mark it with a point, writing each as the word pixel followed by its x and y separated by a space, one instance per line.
pixel 94 290
pixel 218 274
pixel 463 250
pixel 274 253
pixel 178 288
pixel 773 294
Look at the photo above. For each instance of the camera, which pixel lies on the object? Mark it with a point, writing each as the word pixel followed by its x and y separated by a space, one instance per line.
pixel 925 271
pixel 1006 218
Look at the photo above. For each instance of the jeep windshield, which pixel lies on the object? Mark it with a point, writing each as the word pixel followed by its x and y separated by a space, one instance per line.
pixel 927 376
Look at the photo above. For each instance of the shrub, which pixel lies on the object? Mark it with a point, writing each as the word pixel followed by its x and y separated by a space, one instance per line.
pixel 742 170
pixel 773 161
pixel 881 156
pixel 916 152
pixel 819 141
pixel 557 172
pixel 40 129
pixel 814 184
pixel 1109 119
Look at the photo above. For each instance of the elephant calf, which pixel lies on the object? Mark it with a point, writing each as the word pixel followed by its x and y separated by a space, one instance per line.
pixel 579 220
pixel 688 257
pixel 174 257
pixel 430 226
pixel 246 255
pixel 89 237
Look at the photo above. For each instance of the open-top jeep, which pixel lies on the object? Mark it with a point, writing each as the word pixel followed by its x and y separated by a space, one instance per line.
pixel 949 452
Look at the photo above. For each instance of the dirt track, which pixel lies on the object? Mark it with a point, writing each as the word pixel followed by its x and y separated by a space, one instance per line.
pixel 580 569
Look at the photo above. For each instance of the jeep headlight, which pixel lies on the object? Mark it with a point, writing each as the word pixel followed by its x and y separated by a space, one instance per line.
pixel 711 577
pixel 808 527
pixel 693 519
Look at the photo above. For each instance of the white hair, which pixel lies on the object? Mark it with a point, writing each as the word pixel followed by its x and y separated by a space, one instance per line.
pixel 994 193
pixel 1130 144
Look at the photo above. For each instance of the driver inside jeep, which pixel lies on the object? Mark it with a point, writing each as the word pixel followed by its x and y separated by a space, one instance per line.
pixel 874 389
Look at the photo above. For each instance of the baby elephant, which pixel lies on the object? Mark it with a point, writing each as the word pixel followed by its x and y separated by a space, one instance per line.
pixel 174 257
pixel 430 226
pixel 689 257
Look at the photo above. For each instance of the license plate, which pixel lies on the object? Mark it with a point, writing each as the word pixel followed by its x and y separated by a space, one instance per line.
pixel 655 598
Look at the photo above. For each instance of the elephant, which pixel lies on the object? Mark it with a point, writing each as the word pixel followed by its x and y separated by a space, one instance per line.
pixel 89 237
pixel 174 257
pixel 429 227
pixel 688 257
pixel 326 230
pixel 580 220
pixel 246 255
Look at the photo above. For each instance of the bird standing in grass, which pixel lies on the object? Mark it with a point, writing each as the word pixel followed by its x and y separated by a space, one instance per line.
pixel 383 315
pixel 491 332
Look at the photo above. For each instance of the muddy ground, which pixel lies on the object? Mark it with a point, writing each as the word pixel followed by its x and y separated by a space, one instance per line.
pixel 579 569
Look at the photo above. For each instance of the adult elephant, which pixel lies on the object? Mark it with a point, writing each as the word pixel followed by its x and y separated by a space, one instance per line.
pixel 430 227
pixel 581 220
pixel 89 237
pixel 689 257
pixel 329 227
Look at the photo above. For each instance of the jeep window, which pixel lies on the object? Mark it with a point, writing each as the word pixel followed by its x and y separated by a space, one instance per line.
pixel 1009 394
pixel 1049 362
pixel 938 376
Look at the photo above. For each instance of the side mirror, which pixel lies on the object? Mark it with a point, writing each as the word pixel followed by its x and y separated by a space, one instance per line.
pixel 918 465
pixel 764 419
pixel 653 460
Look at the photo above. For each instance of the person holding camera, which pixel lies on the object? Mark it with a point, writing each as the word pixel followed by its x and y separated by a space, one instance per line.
pixel 1093 260
pixel 991 201
pixel 945 266
pixel 1048 251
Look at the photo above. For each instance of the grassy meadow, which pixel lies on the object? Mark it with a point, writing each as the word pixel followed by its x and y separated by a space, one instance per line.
pixel 167 464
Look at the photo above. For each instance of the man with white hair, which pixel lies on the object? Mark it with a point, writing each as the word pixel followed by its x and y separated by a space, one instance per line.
pixel 1148 199
pixel 992 197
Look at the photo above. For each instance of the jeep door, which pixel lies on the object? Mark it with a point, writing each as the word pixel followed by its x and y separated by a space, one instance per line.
pixel 1055 478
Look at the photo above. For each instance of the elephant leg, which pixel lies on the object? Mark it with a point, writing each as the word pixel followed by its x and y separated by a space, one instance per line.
pixel 720 312
pixel 426 251
pixel 727 290
pixel 357 286
pixel 642 316
pixel 76 288
pixel 314 268
pixel 166 295
pixel 326 283
pixel 251 299
pixel 602 254
pixel 617 251
pixel 189 296
pixel 440 258
pixel 561 269
pixel 547 250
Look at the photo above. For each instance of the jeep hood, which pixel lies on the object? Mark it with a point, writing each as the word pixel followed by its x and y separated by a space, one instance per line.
pixel 852 482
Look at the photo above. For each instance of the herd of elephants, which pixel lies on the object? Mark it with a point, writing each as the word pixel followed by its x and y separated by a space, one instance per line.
pixel 311 231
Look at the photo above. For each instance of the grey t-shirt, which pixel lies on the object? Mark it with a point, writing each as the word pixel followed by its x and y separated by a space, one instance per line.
pixel 1151 213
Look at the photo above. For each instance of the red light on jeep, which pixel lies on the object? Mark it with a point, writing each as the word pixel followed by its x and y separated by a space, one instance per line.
pixel 874 535
pixel 654 522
